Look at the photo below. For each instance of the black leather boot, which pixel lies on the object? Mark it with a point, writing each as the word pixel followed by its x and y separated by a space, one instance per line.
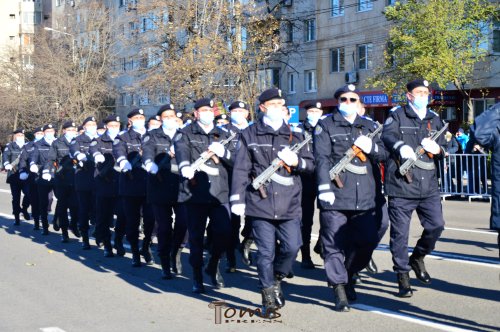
pixel 25 213
pixel 269 306
pixel 108 248
pixel 198 281
pixel 65 236
pixel 371 267
pixel 146 251
pixel 341 302
pixel 231 261
pixel 306 262
pixel 175 260
pixel 55 223
pixel 350 289
pixel 17 220
pixel 245 251
pixel 318 248
pixel 279 298
pixel 136 255
pixel 404 285
pixel 85 240
pixel 73 227
pixel 165 267
pixel 45 227
pixel 120 250
pixel 36 225
pixel 212 270
pixel 418 266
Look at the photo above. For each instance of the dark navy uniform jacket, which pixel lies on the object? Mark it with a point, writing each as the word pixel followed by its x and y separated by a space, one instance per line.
pixel 128 145
pixel 10 154
pixel 333 136
pixel 39 157
pixel 258 147
pixel 105 175
pixel 404 127
pixel 24 163
pixel 59 154
pixel 163 187
pixel 309 187
pixel 84 175
pixel 211 185
pixel 486 130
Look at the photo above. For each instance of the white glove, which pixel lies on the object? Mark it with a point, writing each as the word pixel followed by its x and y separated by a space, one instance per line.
pixel 34 168
pixel 238 209
pixel 407 152
pixel 23 176
pixel 151 167
pixel 364 143
pixel 327 197
pixel 46 176
pixel 81 157
pixel 125 165
pixel 217 148
pixel 289 157
pixel 430 146
pixel 172 150
pixel 99 158
pixel 8 167
pixel 187 172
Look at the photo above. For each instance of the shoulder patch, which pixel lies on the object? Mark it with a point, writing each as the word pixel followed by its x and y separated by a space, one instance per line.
pixel 318 130
pixel 177 137
pixel 116 141
pixel 388 121
pixel 146 139
pixel 94 143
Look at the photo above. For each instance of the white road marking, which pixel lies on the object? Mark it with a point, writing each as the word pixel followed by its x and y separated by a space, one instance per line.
pixel 408 318
pixel 51 329
pixel 470 230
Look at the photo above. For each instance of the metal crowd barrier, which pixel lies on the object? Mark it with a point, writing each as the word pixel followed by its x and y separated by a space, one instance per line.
pixel 465 175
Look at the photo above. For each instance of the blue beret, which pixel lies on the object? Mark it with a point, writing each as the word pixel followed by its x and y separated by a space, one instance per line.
pixel 345 89
pixel 416 83
pixel 270 94
pixel 134 112
pixel 68 124
pixel 238 104
pixel 167 107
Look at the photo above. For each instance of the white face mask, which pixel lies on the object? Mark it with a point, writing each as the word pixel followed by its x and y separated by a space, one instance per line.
pixel 206 117
pixel 348 109
pixel 91 131
pixel 20 141
pixel 238 118
pixel 113 132
pixel 313 118
pixel 274 113
pixel 38 137
pixel 170 124
pixel 69 136
pixel 138 124
pixel 153 127
pixel 49 136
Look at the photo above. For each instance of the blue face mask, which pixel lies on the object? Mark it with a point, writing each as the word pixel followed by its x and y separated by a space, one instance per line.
pixel 49 136
pixel 69 136
pixel 112 132
pixel 347 109
pixel 313 118
pixel 138 124
pixel 420 102
pixel 38 137
pixel 91 131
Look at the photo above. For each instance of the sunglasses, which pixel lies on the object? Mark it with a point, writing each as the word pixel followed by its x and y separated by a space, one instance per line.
pixel 352 100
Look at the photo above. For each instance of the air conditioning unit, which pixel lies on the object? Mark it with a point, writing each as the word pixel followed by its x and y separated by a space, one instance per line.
pixel 351 77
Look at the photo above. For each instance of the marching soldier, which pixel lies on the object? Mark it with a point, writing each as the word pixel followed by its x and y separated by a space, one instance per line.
pixel 37 160
pixel 205 191
pixel 59 165
pixel 314 113
pixel 28 151
pixel 154 122
pixel 108 202
pixel 163 189
pixel 407 128
pixel 10 159
pixel 84 177
pixel 347 207
pixel 127 150
pixel 274 210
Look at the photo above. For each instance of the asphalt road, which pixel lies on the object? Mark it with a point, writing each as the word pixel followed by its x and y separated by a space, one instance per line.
pixel 49 286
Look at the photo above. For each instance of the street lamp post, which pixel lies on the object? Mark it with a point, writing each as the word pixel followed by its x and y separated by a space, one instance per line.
pixel 68 34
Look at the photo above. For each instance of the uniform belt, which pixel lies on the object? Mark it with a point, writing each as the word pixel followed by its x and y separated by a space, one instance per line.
pixel 356 169
pixel 209 170
pixel 425 165
pixel 174 169
pixel 284 181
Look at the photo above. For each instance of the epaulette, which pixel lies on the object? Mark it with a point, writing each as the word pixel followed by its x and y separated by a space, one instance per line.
pixel 394 108
pixel 366 117
pixel 224 129
pixel 296 129
pixel 433 112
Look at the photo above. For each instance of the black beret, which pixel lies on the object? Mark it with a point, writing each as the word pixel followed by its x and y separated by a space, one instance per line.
pixel 416 83
pixel 270 94
pixel 100 125
pixel 154 117
pixel 312 104
pixel 90 118
pixel 111 118
pixel 221 116
pixel 345 89
pixel 238 104
pixel 48 126
pixel 38 129
pixel 68 124
pixel 167 107
pixel 80 128
pixel 134 112
pixel 203 102
pixel 18 131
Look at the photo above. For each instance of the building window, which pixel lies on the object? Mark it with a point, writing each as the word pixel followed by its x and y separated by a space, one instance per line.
pixel 390 2
pixel 337 60
pixel 310 26
pixel 123 99
pixel 365 56
pixel 495 47
pixel 59 2
pixel 310 81
pixel 289 32
pixel 32 17
pixel 364 5
pixel 27 62
pixel 12 16
pixel 480 105
pixel 144 99
pixel 27 39
pixel 337 8
pixel 291 82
